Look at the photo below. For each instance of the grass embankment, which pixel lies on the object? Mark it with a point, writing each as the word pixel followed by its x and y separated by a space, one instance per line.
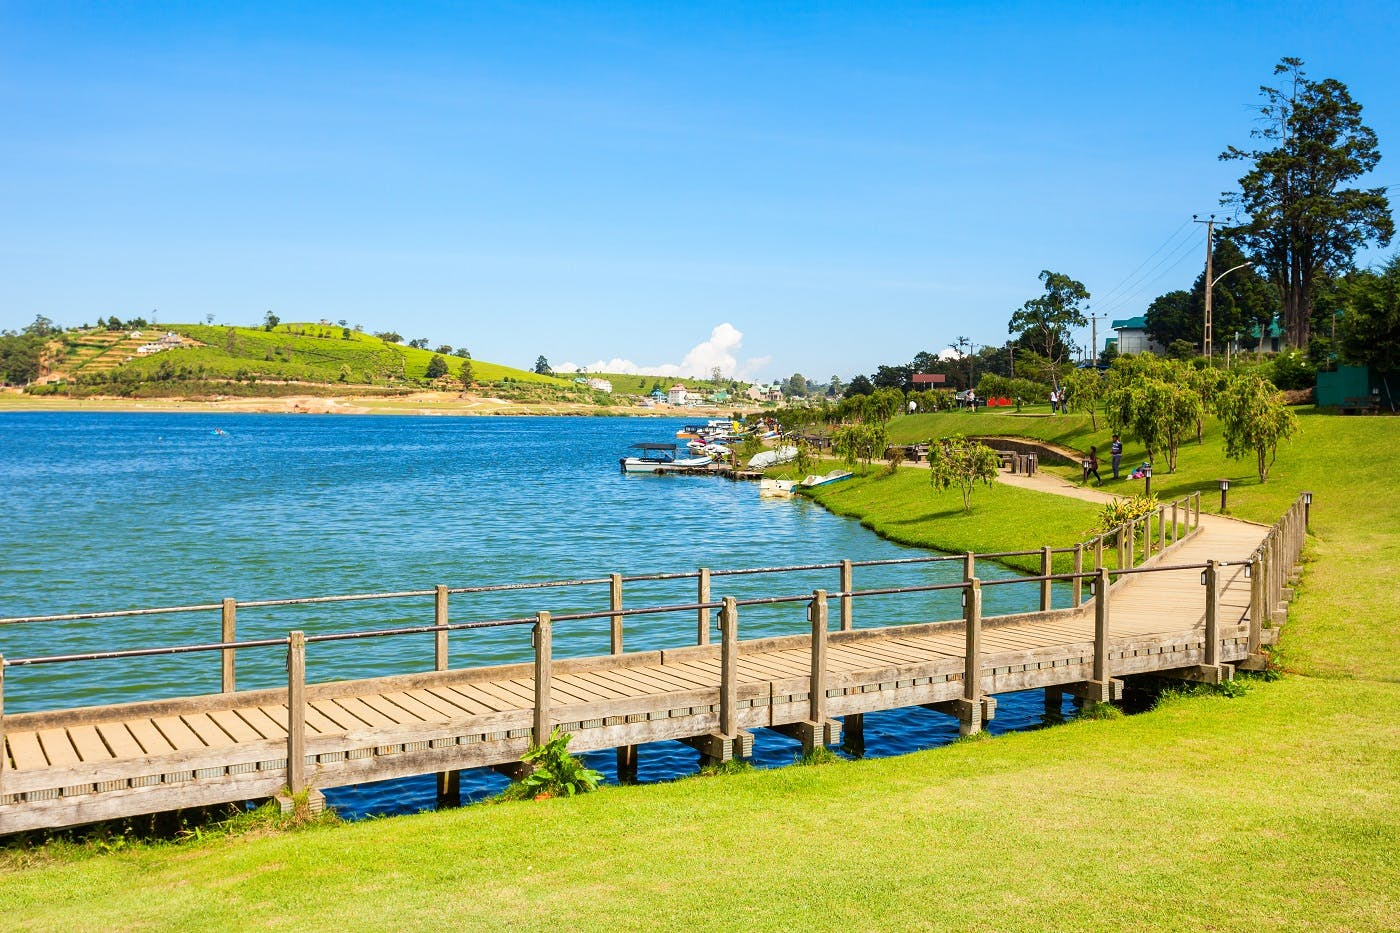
pixel 1271 810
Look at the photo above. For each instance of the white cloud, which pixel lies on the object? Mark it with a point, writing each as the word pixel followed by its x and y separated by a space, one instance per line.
pixel 719 350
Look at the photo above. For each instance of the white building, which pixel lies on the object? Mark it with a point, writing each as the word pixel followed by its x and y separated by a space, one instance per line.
pixel 602 385
pixel 676 395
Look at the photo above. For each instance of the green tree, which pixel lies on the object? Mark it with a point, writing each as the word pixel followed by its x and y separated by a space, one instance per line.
pixel 957 461
pixel 437 366
pixel 1301 223
pixel 1047 320
pixel 835 387
pixel 1369 332
pixel 466 374
pixel 542 367
pixel 795 385
pixel 1149 400
pixel 1172 317
pixel 270 321
pixel 1254 418
pixel 1084 391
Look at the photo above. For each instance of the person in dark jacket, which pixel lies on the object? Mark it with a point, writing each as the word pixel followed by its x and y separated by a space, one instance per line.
pixel 1116 449
pixel 1091 466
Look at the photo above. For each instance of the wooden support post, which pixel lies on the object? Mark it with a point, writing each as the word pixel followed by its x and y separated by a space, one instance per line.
pixel 229 634
pixel 1197 497
pixel 296 712
pixel 969 566
pixel 729 668
pixel 1054 702
pixel 970 715
pixel 1101 585
pixel 440 652
pixel 1098 552
pixel 1212 652
pixel 1176 529
pixel 1132 541
pixel 544 675
pixel 1146 536
pixel 1161 528
pixel 449 783
pixel 816 685
pixel 1078 569
pixel 702 616
pixel 626 754
pixel 615 604
pixel 1047 563
pixel 847 607
pixel 1120 539
pixel 853 734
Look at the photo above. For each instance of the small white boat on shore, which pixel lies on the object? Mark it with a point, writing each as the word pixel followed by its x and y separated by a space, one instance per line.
pixel 767 458
pixel 835 476
pixel 776 488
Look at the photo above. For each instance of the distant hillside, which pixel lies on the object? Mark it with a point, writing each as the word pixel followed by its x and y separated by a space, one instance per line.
pixel 626 384
pixel 296 352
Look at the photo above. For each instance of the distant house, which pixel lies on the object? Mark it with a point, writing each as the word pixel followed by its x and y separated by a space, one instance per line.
pixel 676 395
pixel 755 392
pixel 1132 336
pixel 657 395
pixel 601 385
pixel 775 393
pixel 720 397
pixel 1272 337
pixel 928 380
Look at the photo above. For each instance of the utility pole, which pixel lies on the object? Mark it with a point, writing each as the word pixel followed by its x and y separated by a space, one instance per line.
pixel 1206 340
pixel 1094 338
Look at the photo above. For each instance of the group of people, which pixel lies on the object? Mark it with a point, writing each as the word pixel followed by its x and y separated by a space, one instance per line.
pixel 1057 401
pixel 1091 463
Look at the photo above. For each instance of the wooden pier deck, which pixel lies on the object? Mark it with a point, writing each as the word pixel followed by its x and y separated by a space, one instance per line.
pixel 73 766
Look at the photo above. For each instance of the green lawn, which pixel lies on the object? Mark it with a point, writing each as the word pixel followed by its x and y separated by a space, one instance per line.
pixel 1276 809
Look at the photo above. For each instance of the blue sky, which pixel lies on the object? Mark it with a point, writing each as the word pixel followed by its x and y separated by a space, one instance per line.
pixel 774 187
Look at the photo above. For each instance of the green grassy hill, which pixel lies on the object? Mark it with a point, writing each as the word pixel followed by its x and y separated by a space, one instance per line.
pixel 297 352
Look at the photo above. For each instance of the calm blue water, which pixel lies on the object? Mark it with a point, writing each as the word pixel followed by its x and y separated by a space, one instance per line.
pixel 115 511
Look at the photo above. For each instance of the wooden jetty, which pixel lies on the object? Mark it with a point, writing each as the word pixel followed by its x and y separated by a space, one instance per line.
pixel 1176 595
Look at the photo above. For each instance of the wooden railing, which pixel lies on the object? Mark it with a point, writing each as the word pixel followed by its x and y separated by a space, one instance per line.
pixel 1276 556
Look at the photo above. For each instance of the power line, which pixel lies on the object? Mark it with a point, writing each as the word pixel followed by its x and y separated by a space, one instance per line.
pixel 1162 269
pixel 1108 295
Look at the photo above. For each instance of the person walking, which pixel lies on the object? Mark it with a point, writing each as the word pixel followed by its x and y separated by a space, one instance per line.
pixel 1091 466
pixel 1116 449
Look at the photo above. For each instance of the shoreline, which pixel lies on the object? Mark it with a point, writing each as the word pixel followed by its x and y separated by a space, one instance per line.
pixel 420 403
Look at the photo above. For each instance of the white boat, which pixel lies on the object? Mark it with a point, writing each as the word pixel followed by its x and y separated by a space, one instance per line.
pixel 835 476
pixel 654 458
pixel 762 461
pixel 776 488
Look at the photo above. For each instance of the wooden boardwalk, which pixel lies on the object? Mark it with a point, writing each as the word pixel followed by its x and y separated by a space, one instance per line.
pixel 73 766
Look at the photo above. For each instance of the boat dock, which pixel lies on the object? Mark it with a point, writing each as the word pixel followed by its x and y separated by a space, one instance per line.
pixel 1175 595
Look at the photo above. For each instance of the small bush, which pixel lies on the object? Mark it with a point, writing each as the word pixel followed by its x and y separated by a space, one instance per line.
pixel 556 773
pixel 1100 711
pixel 821 755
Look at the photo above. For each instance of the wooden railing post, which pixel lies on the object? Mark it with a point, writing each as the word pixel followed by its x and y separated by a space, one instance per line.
pixel 441 655
pixel 972 658
pixel 544 674
pixel 1146 536
pixel 1161 528
pixel 229 634
pixel 1078 569
pixel 1047 563
pixel 615 604
pixel 1197 496
pixel 3 754
pixel 847 602
pixel 702 616
pixel 1256 604
pixel 816 688
pixel 1212 653
pixel 729 668
pixel 1176 530
pixel 1098 552
pixel 1132 541
pixel 969 566
pixel 296 712
pixel 1101 585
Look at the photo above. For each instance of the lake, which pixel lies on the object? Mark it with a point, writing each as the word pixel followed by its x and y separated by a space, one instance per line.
pixel 129 510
